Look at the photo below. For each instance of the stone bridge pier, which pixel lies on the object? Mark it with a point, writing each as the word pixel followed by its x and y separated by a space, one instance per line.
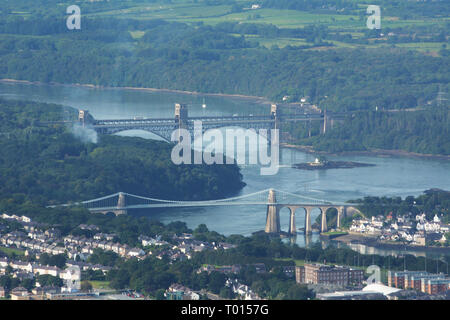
pixel 273 215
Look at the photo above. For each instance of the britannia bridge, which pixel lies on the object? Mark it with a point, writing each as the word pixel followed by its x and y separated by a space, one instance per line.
pixel 163 127
pixel 274 200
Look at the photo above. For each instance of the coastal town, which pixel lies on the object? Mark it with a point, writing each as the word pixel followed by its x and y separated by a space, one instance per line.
pixel 23 249
pixel 415 230
pixel 38 239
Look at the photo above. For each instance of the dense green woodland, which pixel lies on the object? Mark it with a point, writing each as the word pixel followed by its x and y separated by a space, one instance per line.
pixel 426 131
pixel 51 165
pixel 213 59
pixel 227 57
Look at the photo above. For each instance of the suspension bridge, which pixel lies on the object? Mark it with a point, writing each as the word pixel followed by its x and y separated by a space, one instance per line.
pixel 121 202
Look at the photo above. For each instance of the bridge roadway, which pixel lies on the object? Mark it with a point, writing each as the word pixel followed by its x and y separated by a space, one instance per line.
pixel 164 127
pixel 119 203
pixel 210 204
pixel 209 120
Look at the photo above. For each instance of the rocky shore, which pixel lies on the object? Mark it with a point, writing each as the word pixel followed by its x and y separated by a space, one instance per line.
pixel 331 165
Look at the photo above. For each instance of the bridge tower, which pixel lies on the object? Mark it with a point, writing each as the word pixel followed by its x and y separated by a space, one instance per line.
pixel 275 112
pixel 120 205
pixel 83 117
pixel 273 215
pixel 181 117
pixel 327 122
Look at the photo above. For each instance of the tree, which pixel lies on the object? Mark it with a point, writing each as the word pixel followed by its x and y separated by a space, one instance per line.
pixel 299 292
pixel 49 280
pixel 85 286
pixel 119 279
pixel 160 294
pixel 216 281
pixel 227 293
pixel 58 260
pixel 27 284
pixel 202 228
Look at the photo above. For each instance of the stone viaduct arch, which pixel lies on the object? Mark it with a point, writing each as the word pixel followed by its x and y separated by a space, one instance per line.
pixel 273 215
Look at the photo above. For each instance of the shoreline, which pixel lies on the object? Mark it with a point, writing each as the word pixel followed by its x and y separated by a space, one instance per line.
pixel 371 241
pixel 331 165
pixel 372 152
pixel 255 99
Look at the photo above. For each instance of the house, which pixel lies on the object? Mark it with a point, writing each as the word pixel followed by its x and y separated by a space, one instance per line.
pixel 419 240
pixel 50 270
pixel 289 271
pixel 226 246
pixel 135 252
pixel 183 248
pixel 123 249
pixel 148 241
pixel 185 235
pixel 42 291
pixel 23 266
pixel 251 296
pixel 198 248
pixel 104 236
pixel 52 233
pixel 433 237
pixel 25 219
pixel 58 250
pixel 2 292
pixel 4 262
pixel 19 293
pixel 22 275
pixel 116 247
pixel 90 227
pixel 71 274
pixel 421 217
pixel 191 295
pixel 260 267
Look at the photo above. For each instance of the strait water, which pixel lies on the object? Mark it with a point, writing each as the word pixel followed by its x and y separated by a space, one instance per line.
pixel 391 176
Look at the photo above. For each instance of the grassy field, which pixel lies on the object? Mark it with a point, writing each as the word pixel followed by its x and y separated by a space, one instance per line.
pixel 298 262
pixel 186 11
pixel 352 23
pixel 280 42
pixel 9 251
pixel 100 284
pixel 334 233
